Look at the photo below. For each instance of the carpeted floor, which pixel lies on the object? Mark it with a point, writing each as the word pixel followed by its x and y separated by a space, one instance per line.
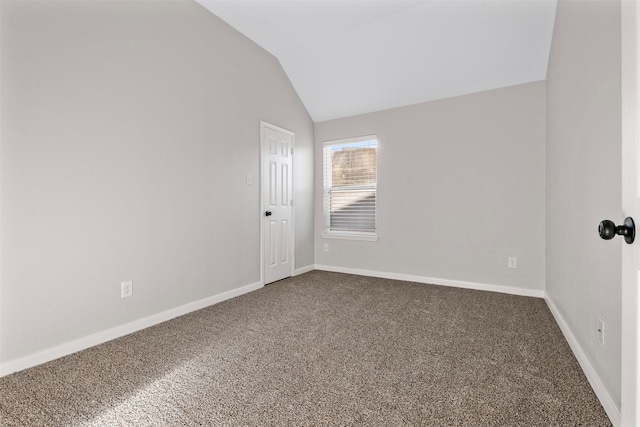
pixel 322 349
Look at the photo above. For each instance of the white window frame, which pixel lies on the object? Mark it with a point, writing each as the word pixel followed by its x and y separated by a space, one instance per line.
pixel 326 184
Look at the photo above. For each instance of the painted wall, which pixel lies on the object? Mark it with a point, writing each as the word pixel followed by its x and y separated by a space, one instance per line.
pixel 583 178
pixel 127 131
pixel 460 189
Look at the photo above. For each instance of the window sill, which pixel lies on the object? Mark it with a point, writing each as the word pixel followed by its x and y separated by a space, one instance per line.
pixel 351 236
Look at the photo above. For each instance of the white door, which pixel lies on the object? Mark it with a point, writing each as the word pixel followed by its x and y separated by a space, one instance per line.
pixel 277 200
pixel 630 373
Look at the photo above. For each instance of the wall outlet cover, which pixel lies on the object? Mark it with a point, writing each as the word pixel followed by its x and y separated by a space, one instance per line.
pixel 126 289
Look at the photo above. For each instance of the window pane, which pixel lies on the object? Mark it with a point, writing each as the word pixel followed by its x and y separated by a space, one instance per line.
pixel 353 166
pixel 353 210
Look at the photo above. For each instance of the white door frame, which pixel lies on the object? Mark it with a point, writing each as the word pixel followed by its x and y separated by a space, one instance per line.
pixel 263 125
pixel 630 315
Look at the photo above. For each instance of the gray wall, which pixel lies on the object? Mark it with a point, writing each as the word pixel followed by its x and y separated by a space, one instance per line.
pixel 583 178
pixel 127 131
pixel 460 189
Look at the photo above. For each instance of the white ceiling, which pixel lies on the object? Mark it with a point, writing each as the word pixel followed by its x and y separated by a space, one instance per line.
pixel 349 57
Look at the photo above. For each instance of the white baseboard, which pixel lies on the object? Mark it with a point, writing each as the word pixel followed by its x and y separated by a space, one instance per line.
pixel 435 281
pixel 600 390
pixel 302 270
pixel 119 331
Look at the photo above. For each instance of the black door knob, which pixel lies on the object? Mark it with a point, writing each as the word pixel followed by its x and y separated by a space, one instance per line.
pixel 267 213
pixel 608 230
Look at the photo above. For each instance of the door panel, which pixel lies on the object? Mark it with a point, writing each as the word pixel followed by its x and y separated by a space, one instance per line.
pixel 273 182
pixel 284 173
pixel 271 243
pixel 284 241
pixel 277 211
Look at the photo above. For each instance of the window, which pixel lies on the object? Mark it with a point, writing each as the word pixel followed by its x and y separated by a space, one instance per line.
pixel 350 186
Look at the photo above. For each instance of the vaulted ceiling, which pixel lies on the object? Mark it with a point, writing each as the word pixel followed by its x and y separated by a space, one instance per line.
pixel 349 57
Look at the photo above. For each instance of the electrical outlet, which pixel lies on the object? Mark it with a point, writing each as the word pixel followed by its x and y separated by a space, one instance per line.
pixel 126 289
pixel 601 331
pixel 326 247
pixel 512 262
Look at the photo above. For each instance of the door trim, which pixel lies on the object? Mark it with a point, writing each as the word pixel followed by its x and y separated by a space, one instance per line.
pixel 263 125
pixel 630 333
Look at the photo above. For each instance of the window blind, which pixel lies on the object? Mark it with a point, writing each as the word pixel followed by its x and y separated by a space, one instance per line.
pixel 350 181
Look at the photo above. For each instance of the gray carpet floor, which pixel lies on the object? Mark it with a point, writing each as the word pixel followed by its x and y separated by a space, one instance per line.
pixel 322 349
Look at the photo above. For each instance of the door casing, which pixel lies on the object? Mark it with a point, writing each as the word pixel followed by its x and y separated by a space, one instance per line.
pixel 630 316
